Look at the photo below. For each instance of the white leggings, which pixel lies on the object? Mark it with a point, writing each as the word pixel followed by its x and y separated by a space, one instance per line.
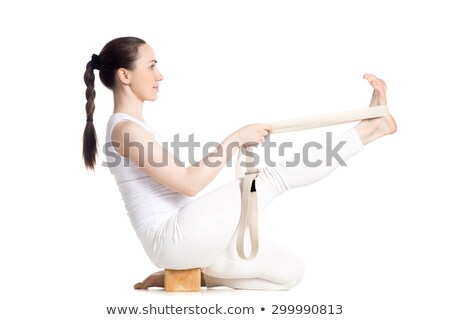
pixel 203 232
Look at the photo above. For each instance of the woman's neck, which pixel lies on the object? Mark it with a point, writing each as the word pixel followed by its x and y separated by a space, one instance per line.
pixel 129 105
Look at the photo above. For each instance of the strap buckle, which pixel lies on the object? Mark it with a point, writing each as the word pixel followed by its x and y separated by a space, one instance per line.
pixel 253 171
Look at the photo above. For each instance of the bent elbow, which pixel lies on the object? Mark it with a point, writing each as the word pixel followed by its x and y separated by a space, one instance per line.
pixel 191 192
pixel 192 189
pixel 191 195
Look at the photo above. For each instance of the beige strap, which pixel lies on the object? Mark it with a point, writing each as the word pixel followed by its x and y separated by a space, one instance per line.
pixel 249 208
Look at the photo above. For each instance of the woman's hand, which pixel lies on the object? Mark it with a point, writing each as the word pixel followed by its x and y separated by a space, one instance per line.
pixel 253 134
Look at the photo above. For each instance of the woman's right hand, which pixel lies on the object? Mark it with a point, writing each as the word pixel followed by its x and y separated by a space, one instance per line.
pixel 253 134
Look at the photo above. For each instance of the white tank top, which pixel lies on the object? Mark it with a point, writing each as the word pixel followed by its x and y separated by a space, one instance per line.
pixel 146 200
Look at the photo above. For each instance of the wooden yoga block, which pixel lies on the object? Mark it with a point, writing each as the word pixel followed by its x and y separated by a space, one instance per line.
pixel 182 280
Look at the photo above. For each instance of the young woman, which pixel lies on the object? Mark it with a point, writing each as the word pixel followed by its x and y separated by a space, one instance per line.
pixel 176 230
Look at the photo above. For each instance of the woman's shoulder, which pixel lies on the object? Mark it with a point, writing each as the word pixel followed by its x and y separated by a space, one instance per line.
pixel 122 123
pixel 131 127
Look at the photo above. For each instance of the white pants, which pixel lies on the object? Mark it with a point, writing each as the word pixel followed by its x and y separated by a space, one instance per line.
pixel 203 232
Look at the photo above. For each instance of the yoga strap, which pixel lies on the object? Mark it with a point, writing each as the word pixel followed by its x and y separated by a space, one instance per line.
pixel 249 208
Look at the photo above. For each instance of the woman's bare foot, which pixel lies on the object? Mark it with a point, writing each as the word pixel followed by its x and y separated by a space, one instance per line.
pixel 372 129
pixel 154 280
pixel 157 280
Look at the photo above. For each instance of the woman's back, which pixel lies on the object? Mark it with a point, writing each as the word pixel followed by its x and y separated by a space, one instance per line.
pixel 146 200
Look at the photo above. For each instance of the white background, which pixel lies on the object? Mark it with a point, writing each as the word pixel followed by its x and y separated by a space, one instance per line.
pixel 373 236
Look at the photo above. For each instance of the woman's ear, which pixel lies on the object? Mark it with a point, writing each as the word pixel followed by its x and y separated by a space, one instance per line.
pixel 124 76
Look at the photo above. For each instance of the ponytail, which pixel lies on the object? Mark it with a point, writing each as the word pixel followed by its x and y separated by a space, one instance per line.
pixel 118 53
pixel 89 135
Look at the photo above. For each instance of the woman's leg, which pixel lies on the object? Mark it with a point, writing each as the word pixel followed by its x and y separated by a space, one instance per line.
pixel 274 268
pixel 202 234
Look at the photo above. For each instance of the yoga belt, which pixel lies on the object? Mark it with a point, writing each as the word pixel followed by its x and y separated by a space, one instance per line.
pixel 249 209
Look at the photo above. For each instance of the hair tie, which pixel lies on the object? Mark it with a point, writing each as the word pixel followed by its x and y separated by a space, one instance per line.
pixel 89 119
pixel 95 62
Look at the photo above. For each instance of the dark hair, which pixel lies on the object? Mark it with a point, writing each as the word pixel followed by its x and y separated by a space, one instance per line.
pixel 118 53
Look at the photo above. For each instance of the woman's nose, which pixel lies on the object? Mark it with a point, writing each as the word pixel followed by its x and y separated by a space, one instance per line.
pixel 159 76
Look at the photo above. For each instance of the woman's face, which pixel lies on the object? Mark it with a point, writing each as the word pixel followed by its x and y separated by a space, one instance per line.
pixel 144 79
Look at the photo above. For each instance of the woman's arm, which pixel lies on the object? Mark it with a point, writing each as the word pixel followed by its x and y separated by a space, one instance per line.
pixel 201 173
pixel 139 145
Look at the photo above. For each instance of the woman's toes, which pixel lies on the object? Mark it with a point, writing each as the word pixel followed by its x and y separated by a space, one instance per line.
pixel 376 83
pixel 369 77
pixel 379 93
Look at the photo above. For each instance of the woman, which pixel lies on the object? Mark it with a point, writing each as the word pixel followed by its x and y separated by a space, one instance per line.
pixel 176 230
